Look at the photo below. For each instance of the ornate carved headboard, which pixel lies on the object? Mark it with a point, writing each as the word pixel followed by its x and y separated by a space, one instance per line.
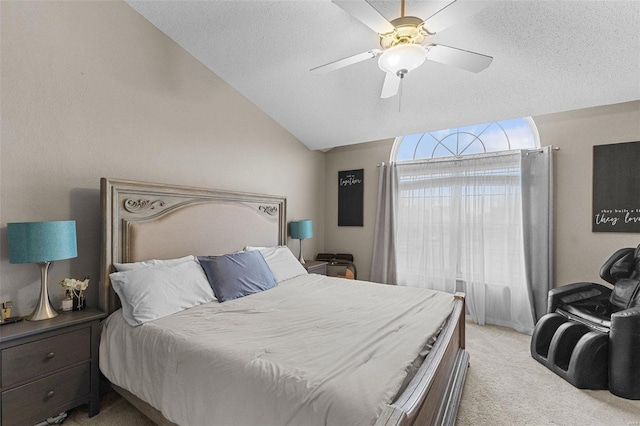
pixel 155 221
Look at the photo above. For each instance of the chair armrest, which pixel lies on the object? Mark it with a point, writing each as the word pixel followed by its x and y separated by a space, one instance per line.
pixel 575 292
pixel 624 362
pixel 627 320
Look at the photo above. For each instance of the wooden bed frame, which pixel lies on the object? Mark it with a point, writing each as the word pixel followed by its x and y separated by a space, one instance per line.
pixel 156 221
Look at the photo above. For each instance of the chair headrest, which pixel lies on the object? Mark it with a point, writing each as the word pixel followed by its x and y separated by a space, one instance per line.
pixel 620 265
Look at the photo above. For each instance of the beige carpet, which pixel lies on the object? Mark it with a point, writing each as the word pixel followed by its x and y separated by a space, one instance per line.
pixel 504 386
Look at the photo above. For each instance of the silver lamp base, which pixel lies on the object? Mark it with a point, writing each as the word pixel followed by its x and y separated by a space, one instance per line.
pixel 300 258
pixel 43 309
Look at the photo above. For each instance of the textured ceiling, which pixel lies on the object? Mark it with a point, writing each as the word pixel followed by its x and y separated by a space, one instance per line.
pixel 549 56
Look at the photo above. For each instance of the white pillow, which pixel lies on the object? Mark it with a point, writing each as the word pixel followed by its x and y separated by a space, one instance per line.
pixel 153 292
pixel 281 261
pixel 153 262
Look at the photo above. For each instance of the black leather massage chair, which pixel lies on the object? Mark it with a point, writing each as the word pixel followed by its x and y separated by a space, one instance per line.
pixel 591 333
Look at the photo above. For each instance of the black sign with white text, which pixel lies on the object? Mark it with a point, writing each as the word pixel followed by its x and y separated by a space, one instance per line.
pixel 616 187
pixel 350 197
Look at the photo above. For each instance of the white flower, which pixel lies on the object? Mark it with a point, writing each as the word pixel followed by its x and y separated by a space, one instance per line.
pixel 76 286
pixel 82 285
pixel 68 282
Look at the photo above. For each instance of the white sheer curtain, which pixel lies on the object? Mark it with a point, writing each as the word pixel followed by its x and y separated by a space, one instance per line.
pixel 460 227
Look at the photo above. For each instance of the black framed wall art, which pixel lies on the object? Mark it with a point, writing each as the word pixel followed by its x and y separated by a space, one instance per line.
pixel 350 197
pixel 616 187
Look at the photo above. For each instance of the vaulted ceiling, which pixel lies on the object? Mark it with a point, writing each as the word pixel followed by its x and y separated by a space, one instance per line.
pixel 549 56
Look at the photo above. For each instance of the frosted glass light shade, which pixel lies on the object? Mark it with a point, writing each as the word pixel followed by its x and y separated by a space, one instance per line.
pixel 302 229
pixel 402 58
pixel 32 242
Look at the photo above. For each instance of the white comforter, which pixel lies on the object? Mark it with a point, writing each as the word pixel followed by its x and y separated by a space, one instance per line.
pixel 312 351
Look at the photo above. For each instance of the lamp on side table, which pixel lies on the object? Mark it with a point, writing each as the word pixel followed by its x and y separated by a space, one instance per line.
pixel 42 243
pixel 300 230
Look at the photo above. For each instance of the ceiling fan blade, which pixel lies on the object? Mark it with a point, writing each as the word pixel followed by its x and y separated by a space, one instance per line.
pixel 390 85
pixel 452 13
pixel 470 61
pixel 341 63
pixel 365 13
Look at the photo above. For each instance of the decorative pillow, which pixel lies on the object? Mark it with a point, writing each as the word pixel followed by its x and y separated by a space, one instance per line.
pixel 153 292
pixel 237 275
pixel 281 261
pixel 149 263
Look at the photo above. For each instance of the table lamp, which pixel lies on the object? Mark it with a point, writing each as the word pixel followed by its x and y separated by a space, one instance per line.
pixel 300 230
pixel 42 243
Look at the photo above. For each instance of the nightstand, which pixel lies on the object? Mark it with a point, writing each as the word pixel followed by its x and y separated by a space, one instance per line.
pixel 315 267
pixel 49 367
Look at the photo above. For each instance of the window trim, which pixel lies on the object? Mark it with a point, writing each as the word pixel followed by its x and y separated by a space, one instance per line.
pixel 398 140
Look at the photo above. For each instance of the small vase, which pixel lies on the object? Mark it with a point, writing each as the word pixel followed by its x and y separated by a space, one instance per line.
pixel 78 303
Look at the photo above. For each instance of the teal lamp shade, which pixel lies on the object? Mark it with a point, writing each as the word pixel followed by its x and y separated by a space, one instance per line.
pixel 33 242
pixel 42 243
pixel 300 230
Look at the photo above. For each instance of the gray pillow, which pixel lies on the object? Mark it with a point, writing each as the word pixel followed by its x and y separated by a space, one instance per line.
pixel 237 275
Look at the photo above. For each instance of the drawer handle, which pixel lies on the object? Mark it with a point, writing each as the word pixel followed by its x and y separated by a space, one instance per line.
pixel 50 355
pixel 50 394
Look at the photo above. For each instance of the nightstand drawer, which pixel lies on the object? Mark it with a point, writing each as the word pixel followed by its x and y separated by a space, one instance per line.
pixel 45 395
pixel 33 359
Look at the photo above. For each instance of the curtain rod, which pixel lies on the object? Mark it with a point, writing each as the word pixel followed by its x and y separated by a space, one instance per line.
pixel 553 148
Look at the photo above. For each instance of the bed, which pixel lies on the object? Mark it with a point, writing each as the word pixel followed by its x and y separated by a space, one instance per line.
pixel 144 221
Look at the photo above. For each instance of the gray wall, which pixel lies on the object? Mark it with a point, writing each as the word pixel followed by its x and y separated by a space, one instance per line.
pixel 92 89
pixel 579 253
pixel 357 240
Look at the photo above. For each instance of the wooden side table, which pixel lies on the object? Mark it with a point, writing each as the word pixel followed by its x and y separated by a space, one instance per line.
pixel 315 267
pixel 49 367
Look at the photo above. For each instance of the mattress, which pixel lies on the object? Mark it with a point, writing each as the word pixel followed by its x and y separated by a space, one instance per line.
pixel 314 350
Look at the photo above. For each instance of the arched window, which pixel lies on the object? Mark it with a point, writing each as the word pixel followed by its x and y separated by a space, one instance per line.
pixel 463 217
pixel 518 133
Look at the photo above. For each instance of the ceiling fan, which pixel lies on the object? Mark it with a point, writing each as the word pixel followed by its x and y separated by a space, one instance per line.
pixel 403 42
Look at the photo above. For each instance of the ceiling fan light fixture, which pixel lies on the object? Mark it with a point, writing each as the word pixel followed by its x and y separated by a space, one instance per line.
pixel 402 59
pixel 407 29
